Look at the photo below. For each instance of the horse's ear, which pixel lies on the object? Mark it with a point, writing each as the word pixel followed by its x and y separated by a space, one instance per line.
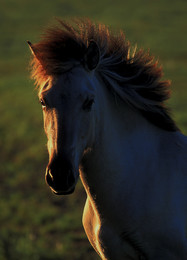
pixel 33 51
pixel 92 56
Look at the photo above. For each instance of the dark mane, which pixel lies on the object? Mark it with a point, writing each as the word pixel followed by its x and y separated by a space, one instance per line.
pixel 135 77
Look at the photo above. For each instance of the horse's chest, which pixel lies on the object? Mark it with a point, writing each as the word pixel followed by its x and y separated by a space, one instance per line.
pixel 106 242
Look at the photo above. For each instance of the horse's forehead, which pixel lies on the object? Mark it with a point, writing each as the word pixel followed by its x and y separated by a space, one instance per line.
pixel 72 83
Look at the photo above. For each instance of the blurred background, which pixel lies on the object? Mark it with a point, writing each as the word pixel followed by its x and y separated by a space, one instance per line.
pixel 34 223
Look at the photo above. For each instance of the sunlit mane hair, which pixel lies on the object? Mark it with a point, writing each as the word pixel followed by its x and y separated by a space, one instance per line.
pixel 133 76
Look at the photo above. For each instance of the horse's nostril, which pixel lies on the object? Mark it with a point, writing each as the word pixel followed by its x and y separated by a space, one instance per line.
pixel 49 177
pixel 50 174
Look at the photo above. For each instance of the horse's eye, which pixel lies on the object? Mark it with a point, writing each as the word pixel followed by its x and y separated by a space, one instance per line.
pixel 87 105
pixel 42 102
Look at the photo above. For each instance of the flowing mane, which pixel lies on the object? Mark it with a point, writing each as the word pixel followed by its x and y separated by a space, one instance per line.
pixel 133 77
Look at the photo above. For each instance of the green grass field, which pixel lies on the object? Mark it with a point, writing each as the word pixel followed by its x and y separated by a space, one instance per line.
pixel 34 223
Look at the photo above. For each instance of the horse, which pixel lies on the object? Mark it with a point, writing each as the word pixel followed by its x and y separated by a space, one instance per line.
pixel 106 120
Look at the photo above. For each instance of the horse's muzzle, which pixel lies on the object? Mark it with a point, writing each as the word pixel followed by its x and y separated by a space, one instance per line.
pixel 61 179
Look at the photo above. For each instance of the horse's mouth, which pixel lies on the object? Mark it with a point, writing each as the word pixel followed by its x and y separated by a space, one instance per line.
pixel 63 192
pixel 60 186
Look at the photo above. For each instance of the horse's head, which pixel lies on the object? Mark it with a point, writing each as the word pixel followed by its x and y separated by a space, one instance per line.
pixel 68 111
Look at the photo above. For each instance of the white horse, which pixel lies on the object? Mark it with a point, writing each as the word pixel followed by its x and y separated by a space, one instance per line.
pixel 105 120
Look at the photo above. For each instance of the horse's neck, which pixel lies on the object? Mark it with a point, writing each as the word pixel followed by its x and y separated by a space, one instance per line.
pixel 123 137
pixel 127 150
